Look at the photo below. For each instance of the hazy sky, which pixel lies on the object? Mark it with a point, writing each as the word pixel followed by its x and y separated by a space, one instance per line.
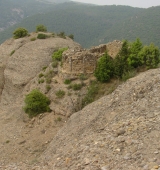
pixel 134 3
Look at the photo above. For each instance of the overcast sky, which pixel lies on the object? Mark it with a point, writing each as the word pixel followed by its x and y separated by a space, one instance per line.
pixel 134 3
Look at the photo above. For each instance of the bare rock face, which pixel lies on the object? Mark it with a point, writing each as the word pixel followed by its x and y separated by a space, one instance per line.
pixel 118 131
pixel 28 59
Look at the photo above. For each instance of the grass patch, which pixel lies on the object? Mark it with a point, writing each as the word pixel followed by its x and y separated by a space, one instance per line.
pixel 42 36
pixel 41 81
pixel 75 86
pixel 60 93
pixel 33 38
pixel 54 64
pixel 82 77
pixel 12 52
pixel 49 76
pixel 67 81
pixel 48 88
pixel 92 91
pixel 44 68
pixel 128 75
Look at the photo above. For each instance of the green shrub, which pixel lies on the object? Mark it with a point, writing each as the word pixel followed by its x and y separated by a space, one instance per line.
pixel 105 68
pixel 41 81
pixel 150 56
pixel 41 36
pixel 41 28
pixel 41 75
pixel 44 68
pixel 20 32
pixel 67 81
pixel 58 54
pixel 134 59
pixel 77 86
pixel 71 36
pixel 36 103
pixel 48 87
pixel 62 35
pixel 60 93
pixel 12 52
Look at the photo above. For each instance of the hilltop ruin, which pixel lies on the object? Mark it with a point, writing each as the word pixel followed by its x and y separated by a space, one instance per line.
pixel 81 61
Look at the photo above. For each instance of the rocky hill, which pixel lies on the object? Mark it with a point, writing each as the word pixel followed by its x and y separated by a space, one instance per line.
pixel 118 131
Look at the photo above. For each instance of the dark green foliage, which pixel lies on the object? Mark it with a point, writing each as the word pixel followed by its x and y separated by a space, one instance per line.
pixel 105 23
pixel 58 54
pixel 128 75
pixel 41 75
pixel 41 28
pixel 36 103
pixel 150 56
pixel 71 36
pixel 67 81
pixel 120 62
pixel 60 93
pixel 62 35
pixel 134 59
pixel 91 93
pixel 105 68
pixel 44 68
pixel 41 36
pixel 20 32
pixel 77 86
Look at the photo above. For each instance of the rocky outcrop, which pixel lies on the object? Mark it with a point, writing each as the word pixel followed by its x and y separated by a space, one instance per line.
pixel 27 60
pixel 113 132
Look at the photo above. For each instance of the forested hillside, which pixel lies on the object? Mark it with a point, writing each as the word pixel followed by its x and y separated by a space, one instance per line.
pixel 13 11
pixel 93 25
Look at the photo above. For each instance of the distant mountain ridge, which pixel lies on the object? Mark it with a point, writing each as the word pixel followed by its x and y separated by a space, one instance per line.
pixel 93 25
pixel 13 11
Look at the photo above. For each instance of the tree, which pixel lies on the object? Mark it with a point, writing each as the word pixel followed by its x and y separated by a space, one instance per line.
pixel 20 32
pixel 41 28
pixel 104 70
pixel 150 56
pixel 134 59
pixel 71 36
pixel 36 103
pixel 120 62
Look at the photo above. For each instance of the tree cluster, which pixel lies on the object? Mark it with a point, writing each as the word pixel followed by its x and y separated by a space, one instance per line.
pixel 133 55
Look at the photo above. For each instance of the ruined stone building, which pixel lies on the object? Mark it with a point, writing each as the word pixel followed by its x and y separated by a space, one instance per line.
pixel 81 61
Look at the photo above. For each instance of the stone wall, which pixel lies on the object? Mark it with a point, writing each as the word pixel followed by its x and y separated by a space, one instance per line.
pixel 78 61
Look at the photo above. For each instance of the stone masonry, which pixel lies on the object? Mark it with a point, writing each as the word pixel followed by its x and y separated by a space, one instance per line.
pixel 81 61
